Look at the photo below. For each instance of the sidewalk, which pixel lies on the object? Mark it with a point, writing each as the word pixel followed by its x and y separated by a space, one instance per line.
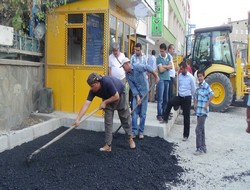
pixel 15 138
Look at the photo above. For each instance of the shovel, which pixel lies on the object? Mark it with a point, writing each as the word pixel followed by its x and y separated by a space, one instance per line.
pixel 28 160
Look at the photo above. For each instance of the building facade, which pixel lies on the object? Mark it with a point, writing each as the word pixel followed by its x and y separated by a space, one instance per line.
pixel 78 40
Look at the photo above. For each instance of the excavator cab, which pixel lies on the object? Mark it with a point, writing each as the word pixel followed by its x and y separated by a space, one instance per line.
pixel 212 52
pixel 212 46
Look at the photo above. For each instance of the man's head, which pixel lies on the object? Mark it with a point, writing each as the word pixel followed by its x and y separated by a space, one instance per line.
pixel 171 49
pixel 183 67
pixel 153 52
pixel 116 49
pixel 94 82
pixel 138 49
pixel 200 75
pixel 163 49
pixel 126 64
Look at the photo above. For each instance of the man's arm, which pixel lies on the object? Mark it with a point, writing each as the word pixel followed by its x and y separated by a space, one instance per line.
pixel 110 100
pixel 110 74
pixel 82 112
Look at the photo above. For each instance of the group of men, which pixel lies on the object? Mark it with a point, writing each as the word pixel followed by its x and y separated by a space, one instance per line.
pixel 142 75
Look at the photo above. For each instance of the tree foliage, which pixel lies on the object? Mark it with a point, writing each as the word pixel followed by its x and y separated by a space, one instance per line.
pixel 17 13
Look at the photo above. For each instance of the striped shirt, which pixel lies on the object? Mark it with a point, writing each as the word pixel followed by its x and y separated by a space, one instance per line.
pixel 202 95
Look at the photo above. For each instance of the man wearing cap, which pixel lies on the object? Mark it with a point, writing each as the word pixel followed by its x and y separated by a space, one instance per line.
pixel 111 90
pixel 136 77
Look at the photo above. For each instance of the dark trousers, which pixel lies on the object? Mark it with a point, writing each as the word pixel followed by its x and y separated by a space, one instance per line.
pixel 185 103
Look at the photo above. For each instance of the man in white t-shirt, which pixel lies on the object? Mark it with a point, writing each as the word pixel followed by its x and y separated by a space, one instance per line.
pixel 115 60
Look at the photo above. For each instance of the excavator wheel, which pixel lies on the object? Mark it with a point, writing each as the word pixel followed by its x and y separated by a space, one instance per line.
pixel 223 92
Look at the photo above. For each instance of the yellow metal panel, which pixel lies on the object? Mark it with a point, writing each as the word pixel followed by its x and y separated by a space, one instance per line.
pixel 61 81
pixel 55 39
pixel 85 5
pixel 82 90
pixel 215 68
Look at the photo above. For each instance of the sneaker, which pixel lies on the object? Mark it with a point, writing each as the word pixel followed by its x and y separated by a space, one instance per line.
pixel 141 136
pixel 184 139
pixel 131 143
pixel 198 152
pixel 159 118
pixel 106 148
pixel 204 150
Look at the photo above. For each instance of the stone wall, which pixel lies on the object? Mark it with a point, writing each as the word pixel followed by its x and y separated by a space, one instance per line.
pixel 20 82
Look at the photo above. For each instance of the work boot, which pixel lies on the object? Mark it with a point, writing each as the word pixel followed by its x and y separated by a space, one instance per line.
pixel 131 142
pixel 106 148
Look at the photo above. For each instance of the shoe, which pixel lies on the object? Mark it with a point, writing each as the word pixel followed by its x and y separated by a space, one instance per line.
pixel 106 148
pixel 176 108
pixel 133 136
pixel 159 118
pixel 141 136
pixel 184 139
pixel 131 143
pixel 198 152
pixel 164 121
pixel 204 150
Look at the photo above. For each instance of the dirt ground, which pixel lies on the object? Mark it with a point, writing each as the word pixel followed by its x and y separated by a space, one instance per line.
pixel 227 162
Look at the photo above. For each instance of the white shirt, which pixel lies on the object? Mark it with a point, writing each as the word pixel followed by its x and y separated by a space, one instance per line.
pixel 172 71
pixel 116 69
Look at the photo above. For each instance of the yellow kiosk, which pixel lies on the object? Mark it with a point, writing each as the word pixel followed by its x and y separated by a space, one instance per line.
pixel 78 40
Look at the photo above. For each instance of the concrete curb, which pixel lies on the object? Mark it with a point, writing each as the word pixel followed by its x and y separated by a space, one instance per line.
pixel 15 138
pixel 18 137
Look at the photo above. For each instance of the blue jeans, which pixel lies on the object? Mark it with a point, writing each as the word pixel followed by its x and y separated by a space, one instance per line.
pixel 162 101
pixel 140 111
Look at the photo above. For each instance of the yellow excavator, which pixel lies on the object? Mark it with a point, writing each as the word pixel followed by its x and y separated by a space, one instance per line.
pixel 212 52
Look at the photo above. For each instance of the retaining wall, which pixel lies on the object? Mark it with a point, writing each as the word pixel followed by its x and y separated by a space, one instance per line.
pixel 20 82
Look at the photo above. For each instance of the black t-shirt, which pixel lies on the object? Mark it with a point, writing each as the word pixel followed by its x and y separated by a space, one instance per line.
pixel 109 86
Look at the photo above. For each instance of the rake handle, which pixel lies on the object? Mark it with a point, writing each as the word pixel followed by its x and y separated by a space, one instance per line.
pixel 62 134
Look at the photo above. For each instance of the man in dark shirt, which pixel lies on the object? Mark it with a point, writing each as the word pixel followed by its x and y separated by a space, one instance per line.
pixel 111 90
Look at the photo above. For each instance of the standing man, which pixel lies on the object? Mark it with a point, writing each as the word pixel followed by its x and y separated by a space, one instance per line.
pixel 151 78
pixel 138 57
pixel 186 90
pixel 111 90
pixel 171 50
pixel 115 60
pixel 203 97
pixel 135 74
pixel 164 65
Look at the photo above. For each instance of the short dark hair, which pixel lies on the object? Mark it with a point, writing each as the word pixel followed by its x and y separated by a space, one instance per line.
pixel 163 46
pixel 170 46
pixel 153 52
pixel 138 45
pixel 93 78
pixel 201 71
pixel 183 64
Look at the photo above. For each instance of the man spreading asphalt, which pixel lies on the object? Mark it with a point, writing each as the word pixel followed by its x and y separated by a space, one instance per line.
pixel 112 91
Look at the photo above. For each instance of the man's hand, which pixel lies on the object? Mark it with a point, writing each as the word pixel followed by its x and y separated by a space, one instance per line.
pixel 103 105
pixel 76 123
pixel 138 100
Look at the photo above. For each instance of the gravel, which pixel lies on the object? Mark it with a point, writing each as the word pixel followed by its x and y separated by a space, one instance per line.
pixel 75 162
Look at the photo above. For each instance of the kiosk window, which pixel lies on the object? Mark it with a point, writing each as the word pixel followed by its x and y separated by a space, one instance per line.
pixel 75 18
pixel 120 34
pixel 94 39
pixel 74 52
pixel 126 38
pixel 112 31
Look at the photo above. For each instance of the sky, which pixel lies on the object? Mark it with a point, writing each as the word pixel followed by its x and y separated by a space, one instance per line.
pixel 206 13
